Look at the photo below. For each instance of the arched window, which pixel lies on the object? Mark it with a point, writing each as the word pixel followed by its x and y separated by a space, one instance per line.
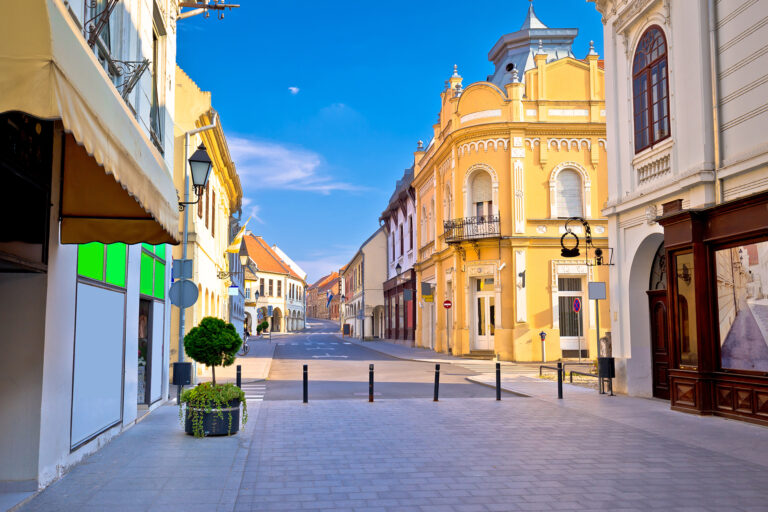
pixel 432 219
pixel 482 195
pixel 448 204
pixel 650 89
pixel 569 194
pixel 423 225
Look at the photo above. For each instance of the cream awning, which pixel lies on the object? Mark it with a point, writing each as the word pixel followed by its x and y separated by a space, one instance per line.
pixel 116 187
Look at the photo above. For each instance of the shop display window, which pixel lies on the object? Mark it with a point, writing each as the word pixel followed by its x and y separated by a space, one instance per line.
pixel 742 305
pixel 686 311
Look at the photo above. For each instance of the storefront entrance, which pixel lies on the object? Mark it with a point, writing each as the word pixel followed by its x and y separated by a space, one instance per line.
pixel 657 300
pixel 485 314
pixel 717 298
pixel 657 305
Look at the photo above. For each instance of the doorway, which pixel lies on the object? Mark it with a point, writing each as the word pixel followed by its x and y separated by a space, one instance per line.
pixel 657 305
pixel 571 317
pixel 145 352
pixel 484 327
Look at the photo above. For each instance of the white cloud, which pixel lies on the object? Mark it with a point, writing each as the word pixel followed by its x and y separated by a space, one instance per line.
pixel 251 210
pixel 270 165
pixel 294 90
pixel 318 268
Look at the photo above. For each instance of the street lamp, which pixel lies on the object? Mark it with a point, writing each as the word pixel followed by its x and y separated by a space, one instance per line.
pixel 200 167
pixel 398 269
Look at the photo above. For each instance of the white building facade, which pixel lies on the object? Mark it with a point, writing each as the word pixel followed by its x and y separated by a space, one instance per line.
pixel 687 114
pixel 274 291
pixel 83 293
pixel 362 291
pixel 399 220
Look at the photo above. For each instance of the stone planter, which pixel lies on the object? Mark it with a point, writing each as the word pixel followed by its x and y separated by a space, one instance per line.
pixel 213 424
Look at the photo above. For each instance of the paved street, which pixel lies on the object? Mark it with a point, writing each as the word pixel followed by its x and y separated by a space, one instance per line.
pixel 405 452
pixel 338 369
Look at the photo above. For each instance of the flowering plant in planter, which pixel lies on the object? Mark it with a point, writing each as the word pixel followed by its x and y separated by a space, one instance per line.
pixel 213 409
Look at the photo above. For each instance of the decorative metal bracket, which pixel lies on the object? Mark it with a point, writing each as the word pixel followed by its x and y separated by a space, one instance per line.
pixel 203 6
pixel 131 70
pixel 573 252
pixel 93 27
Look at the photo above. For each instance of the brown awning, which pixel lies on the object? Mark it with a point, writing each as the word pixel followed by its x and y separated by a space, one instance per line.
pixel 115 184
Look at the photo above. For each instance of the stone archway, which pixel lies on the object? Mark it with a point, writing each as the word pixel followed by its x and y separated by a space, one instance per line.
pixel 248 322
pixel 639 363
pixel 277 320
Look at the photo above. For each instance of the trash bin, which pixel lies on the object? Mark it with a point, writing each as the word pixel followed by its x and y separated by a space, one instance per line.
pixel 606 368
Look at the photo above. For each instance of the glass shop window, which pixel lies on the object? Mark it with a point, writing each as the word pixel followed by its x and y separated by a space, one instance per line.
pixel 742 304
pixel 686 311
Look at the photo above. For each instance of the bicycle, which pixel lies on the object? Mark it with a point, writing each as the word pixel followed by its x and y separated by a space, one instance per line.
pixel 244 348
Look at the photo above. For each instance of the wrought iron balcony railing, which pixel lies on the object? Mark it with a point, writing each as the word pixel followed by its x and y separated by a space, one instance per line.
pixel 471 228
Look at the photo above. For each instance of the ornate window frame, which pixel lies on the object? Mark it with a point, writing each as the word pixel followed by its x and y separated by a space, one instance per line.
pixel 586 188
pixel 466 189
pixel 649 93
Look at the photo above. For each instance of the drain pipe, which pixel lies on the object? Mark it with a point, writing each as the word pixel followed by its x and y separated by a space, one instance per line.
pixel 182 311
pixel 713 70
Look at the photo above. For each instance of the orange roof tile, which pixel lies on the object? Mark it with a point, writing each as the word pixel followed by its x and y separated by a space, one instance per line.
pixel 324 281
pixel 267 260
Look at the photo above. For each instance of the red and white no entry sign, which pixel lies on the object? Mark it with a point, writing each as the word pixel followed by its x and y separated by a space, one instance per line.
pixel 447 304
pixel 576 305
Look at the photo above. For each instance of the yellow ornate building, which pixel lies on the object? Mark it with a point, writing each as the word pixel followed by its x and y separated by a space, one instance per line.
pixel 209 220
pixel 511 159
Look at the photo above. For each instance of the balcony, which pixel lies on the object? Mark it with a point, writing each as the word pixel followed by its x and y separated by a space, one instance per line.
pixel 471 228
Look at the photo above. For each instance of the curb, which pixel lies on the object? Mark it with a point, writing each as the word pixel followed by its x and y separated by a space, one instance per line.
pixel 493 386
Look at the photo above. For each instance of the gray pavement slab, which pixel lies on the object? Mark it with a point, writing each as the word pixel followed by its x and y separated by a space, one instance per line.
pixel 457 454
pixel 587 452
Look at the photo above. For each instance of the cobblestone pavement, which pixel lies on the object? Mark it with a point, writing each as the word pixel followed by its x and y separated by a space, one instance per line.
pixel 414 455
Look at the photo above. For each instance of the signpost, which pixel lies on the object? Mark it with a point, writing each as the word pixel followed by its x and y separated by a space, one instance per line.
pixel 447 304
pixel 577 310
pixel 183 293
pixel 597 293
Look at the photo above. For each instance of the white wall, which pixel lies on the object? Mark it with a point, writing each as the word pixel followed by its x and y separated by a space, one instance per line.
pixel 22 317
pixel 407 258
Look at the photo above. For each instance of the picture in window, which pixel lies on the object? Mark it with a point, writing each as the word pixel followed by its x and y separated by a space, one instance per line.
pixel 742 303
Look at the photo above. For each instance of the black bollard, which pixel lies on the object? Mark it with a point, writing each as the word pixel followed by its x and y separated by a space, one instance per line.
pixel 239 381
pixel 306 385
pixel 370 383
pixel 560 381
pixel 498 381
pixel 437 380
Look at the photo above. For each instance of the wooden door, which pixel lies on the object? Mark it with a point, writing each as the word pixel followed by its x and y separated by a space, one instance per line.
pixel 657 300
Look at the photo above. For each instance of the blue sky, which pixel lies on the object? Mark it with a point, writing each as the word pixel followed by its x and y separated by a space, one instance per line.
pixel 323 102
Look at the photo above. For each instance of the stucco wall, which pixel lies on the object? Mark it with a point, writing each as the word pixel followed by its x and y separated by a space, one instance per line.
pixel 22 315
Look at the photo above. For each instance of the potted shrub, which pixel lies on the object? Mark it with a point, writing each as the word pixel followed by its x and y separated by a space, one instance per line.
pixel 211 409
